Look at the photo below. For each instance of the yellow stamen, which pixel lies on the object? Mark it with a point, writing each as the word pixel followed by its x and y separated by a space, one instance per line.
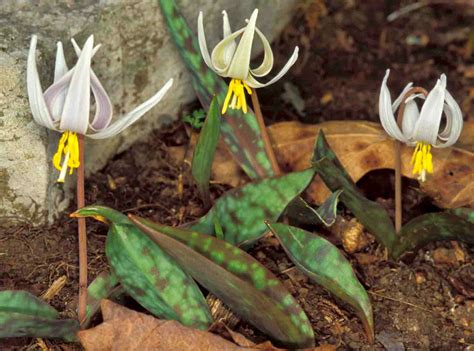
pixel 69 147
pixel 422 160
pixel 236 91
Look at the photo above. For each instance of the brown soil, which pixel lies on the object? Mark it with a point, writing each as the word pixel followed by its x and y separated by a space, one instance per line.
pixel 422 303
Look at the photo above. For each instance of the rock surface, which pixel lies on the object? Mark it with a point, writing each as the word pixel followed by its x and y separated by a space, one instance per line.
pixel 136 58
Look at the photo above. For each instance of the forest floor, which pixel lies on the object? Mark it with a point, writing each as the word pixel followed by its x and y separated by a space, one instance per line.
pixel 425 301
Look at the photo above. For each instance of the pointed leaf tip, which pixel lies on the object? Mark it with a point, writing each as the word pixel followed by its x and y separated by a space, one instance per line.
pixel 235 277
pixel 205 150
pixel 322 262
pixel 241 212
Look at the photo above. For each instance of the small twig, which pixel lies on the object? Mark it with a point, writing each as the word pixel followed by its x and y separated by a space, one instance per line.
pixel 55 288
pixel 82 235
pixel 266 138
pixel 401 301
pixel 398 159
pixel 407 9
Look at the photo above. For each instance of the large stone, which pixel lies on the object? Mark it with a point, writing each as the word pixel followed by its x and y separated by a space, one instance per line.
pixel 137 57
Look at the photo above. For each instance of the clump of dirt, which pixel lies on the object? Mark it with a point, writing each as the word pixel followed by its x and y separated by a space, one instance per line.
pixel 422 303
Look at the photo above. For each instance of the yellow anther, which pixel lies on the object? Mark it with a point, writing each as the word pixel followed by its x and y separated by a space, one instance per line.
pixel 236 91
pixel 69 147
pixel 422 160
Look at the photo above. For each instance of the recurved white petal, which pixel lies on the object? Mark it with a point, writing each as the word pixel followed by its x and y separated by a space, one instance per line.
pixel 124 122
pixel 60 70
pixel 104 108
pixel 38 106
pixel 240 65
pixel 78 50
pixel 386 115
pixel 218 56
pixel 427 126
pixel 399 99
pixel 60 67
pixel 267 63
pixel 454 122
pixel 75 115
pixel 55 95
pixel 202 42
pixel 252 82
pixel 227 31
pixel 410 116
pixel 103 105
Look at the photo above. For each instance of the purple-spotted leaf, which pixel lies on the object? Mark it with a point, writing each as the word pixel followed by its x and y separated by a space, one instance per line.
pixel 432 227
pixel 241 212
pixel 247 287
pixel 299 212
pixel 204 152
pixel 369 213
pixel 23 314
pixel 104 286
pixel 148 274
pixel 322 262
pixel 463 212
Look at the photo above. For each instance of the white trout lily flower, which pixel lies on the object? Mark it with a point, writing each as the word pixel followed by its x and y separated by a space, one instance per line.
pixel 233 61
pixel 65 105
pixel 421 128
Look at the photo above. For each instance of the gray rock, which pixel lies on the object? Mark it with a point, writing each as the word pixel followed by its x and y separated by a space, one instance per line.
pixel 136 58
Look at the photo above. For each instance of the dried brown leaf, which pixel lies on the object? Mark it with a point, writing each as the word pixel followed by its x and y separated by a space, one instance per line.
pixel 124 329
pixel 362 147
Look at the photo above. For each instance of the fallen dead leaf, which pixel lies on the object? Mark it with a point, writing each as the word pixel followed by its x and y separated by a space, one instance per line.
pixel 124 329
pixel 361 147
pixel 364 146
pixel 443 256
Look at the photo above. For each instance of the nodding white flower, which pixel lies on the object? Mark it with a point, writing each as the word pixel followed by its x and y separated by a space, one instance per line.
pixel 65 105
pixel 233 61
pixel 421 128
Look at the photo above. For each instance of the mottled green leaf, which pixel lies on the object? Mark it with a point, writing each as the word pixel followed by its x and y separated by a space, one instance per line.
pixel 322 262
pixel 240 131
pixel 104 286
pixel 300 212
pixel 464 212
pixel 374 218
pixel 205 150
pixel 241 212
pixel 23 302
pixel 148 274
pixel 239 280
pixel 433 227
pixel 23 314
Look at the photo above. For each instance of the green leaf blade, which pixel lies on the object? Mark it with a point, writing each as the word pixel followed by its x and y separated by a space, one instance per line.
pixel 324 264
pixel 433 227
pixel 242 212
pixel 150 275
pixel 246 286
pixel 104 286
pixel 23 302
pixel 13 325
pixel 23 314
pixel 369 213
pixel 205 150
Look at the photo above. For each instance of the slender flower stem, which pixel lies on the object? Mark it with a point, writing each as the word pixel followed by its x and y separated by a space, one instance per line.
pixel 398 159
pixel 82 235
pixel 398 186
pixel 266 138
